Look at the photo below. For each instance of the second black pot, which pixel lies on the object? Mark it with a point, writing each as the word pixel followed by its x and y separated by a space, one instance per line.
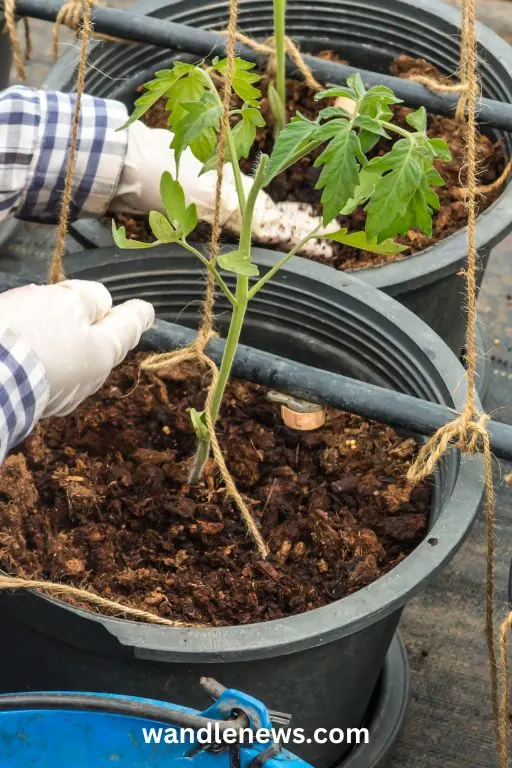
pixel 322 665
pixel 370 34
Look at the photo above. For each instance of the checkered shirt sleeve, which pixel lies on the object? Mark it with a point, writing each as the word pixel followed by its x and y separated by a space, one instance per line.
pixel 35 133
pixel 24 390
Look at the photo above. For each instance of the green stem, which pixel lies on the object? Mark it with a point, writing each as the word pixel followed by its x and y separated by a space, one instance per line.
pixel 237 321
pixel 270 274
pixel 211 268
pixel 280 48
pixel 397 129
pixel 235 329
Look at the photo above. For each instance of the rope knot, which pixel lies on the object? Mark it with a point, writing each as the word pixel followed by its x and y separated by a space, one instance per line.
pixel 468 433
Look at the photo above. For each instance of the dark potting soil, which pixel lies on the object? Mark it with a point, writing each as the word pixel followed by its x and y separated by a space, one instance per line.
pixel 298 183
pixel 100 499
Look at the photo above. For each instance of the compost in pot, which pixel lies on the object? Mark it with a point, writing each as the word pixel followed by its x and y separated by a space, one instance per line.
pixel 101 498
pixel 298 183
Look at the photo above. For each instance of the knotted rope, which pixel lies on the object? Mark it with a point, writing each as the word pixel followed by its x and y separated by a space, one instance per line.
pixel 18 56
pixel 70 15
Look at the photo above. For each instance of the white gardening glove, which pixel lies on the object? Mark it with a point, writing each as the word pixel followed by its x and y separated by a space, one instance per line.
pixel 75 333
pixel 148 155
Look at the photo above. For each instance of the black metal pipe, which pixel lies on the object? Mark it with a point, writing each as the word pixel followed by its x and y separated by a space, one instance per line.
pixel 373 402
pixel 202 43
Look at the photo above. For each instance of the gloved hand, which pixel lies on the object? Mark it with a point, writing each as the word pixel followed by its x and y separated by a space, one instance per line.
pixel 138 192
pixel 75 333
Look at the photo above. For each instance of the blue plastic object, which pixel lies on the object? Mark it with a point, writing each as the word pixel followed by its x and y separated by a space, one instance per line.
pixel 87 730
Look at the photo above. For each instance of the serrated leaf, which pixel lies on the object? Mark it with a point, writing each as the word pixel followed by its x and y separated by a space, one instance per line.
pixel 198 128
pixel 162 228
pixel 441 149
pixel 375 102
pixel 164 82
pixel 291 139
pixel 340 172
pixel 124 242
pixel 418 119
pixel 362 192
pixel 182 217
pixel 335 92
pixel 355 83
pixel 360 240
pixel 370 124
pixel 189 87
pixel 243 80
pixel 434 178
pixel 234 262
pixel 328 112
pixel 199 423
pixel 422 212
pixel 394 190
pixel 276 106
pixel 244 132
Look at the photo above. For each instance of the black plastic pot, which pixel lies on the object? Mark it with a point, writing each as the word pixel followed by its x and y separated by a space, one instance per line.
pixel 370 34
pixel 322 665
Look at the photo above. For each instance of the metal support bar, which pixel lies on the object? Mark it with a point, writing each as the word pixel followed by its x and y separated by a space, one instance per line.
pixel 303 381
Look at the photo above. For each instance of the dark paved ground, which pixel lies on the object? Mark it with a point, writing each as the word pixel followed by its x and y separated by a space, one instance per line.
pixel 449 721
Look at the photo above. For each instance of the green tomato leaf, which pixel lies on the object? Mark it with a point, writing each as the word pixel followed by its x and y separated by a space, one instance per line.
pixel 370 131
pixel 362 192
pixel 371 125
pixel 182 217
pixel 244 132
pixel 355 83
pixel 401 175
pixel 124 242
pixel 166 80
pixel 162 228
pixel 198 128
pixel 333 93
pixel 441 149
pixel 418 119
pixel 434 178
pixel 234 262
pixel 328 112
pixel 375 102
pixel 189 87
pixel 198 420
pixel 360 240
pixel 243 80
pixel 291 140
pixel 340 171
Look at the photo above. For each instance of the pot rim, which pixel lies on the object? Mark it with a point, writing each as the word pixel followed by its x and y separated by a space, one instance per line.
pixel 444 257
pixel 342 617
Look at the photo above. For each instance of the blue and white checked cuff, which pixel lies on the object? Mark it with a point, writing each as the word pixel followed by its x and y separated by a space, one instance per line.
pixel 35 133
pixel 24 390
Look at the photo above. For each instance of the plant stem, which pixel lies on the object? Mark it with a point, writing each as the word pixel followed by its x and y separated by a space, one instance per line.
pixel 211 268
pixel 280 48
pixel 397 129
pixel 270 274
pixel 237 321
